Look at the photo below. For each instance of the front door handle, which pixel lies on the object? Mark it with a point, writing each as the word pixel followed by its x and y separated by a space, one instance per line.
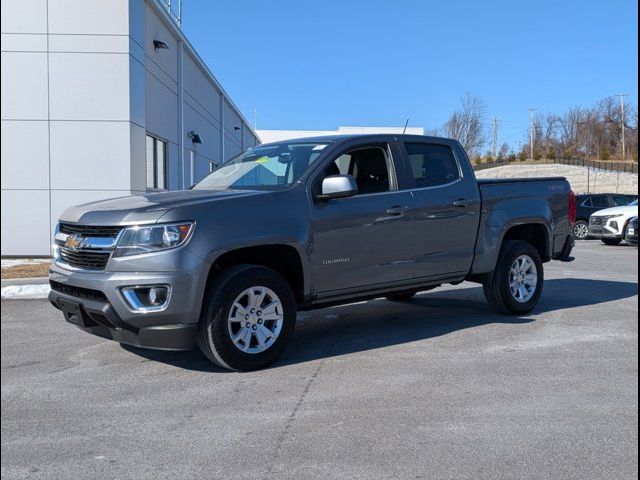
pixel 462 203
pixel 397 210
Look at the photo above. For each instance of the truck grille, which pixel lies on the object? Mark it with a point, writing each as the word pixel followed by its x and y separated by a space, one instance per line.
pixel 87 247
pixel 89 230
pixel 85 259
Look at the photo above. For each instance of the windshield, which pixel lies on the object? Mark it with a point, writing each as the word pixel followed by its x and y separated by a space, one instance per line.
pixel 634 203
pixel 269 167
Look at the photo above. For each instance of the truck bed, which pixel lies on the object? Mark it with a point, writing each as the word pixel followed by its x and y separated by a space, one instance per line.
pixel 540 201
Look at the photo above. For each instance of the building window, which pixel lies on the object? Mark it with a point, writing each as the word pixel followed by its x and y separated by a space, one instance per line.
pixel 156 163
pixel 212 166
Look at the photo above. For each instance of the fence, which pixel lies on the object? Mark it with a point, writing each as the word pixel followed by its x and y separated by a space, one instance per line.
pixel 628 167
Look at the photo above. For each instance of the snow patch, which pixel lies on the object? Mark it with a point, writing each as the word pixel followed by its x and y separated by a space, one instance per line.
pixel 14 262
pixel 25 291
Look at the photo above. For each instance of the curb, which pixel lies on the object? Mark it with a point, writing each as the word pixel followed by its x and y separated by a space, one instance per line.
pixel 25 281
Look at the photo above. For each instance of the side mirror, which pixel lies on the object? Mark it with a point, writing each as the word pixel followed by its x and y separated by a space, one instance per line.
pixel 338 186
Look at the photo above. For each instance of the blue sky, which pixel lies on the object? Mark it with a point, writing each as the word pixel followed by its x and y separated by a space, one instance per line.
pixel 319 65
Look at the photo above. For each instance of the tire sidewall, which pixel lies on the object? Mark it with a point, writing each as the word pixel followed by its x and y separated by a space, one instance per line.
pixel 510 254
pixel 580 222
pixel 612 242
pixel 216 317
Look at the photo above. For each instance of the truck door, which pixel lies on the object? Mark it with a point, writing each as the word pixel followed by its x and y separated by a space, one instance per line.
pixel 365 240
pixel 446 208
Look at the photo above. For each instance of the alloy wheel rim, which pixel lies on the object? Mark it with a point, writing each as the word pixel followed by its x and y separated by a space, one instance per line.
pixel 581 230
pixel 255 320
pixel 523 279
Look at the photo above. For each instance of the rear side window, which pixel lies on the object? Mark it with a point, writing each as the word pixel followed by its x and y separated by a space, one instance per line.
pixel 431 165
pixel 600 202
pixel 587 202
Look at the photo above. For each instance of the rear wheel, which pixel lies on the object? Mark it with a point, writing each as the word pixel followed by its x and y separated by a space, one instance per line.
pixel 612 241
pixel 581 230
pixel 248 317
pixel 516 284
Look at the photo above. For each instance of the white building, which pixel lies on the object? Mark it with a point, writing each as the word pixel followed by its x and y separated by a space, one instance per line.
pixel 101 98
pixel 268 136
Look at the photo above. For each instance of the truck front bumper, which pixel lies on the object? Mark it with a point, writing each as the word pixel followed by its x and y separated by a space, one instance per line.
pixel 95 303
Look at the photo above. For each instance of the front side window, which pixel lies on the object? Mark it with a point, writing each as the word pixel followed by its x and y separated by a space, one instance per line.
pixel 621 200
pixel 432 165
pixel 369 166
pixel 268 167
pixel 156 163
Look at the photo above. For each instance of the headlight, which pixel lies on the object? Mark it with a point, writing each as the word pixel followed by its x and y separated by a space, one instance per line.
pixel 153 238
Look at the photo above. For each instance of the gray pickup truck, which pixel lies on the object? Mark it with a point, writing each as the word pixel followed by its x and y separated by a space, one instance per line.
pixel 298 225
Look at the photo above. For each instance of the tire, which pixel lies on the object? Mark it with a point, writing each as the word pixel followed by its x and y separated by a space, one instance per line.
pixel 498 286
pixel 612 241
pixel 222 299
pixel 401 296
pixel 581 230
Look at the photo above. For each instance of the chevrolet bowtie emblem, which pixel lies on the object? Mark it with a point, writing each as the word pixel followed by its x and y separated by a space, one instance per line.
pixel 73 242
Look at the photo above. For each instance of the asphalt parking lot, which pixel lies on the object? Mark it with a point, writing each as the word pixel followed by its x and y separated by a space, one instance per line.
pixel 439 387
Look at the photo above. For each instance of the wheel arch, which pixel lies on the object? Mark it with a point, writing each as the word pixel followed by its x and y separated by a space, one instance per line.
pixel 285 259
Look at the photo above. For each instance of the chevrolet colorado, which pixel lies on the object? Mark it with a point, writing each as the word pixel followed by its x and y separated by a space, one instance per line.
pixel 297 225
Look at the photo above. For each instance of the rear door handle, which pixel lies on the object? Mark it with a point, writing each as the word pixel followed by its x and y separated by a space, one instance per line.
pixel 462 203
pixel 397 210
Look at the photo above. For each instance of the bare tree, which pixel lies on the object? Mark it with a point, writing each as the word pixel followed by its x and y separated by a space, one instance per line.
pixel 504 151
pixel 587 132
pixel 467 124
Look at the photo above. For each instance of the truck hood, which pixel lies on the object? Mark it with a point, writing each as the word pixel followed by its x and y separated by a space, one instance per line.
pixel 626 210
pixel 144 208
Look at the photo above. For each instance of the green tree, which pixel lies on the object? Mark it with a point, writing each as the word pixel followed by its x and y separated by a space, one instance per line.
pixel 537 155
pixel 605 154
pixel 522 156
pixel 512 157
pixel 551 155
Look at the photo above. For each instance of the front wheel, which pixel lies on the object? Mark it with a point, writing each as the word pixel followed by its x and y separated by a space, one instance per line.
pixel 581 230
pixel 612 241
pixel 247 319
pixel 515 286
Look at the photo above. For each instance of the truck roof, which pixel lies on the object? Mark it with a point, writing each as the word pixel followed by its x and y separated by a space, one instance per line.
pixel 351 136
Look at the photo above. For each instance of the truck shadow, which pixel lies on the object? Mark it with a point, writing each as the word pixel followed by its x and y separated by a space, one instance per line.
pixel 381 323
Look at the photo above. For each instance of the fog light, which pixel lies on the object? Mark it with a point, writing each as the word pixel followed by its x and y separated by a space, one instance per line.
pixel 147 298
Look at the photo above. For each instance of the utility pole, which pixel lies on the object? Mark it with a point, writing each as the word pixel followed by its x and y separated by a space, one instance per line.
pixel 531 131
pixel 622 127
pixel 495 137
pixel 255 119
